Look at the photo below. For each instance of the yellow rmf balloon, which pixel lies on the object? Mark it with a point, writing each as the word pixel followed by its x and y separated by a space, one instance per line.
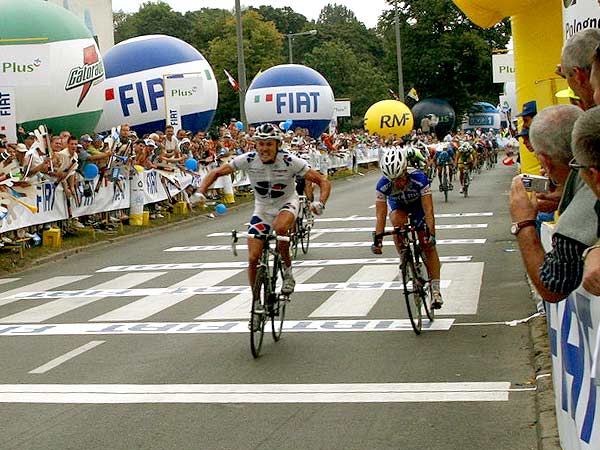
pixel 389 118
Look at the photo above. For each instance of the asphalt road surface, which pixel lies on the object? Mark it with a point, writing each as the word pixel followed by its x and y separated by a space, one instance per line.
pixel 143 344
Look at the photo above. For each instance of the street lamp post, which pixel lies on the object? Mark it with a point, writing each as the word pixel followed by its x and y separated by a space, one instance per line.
pixel 291 35
pixel 241 61
pixel 398 53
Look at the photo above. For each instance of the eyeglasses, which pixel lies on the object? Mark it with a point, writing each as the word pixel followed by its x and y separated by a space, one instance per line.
pixel 573 164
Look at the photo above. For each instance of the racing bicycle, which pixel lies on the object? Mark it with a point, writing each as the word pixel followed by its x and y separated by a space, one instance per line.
pixel 304 224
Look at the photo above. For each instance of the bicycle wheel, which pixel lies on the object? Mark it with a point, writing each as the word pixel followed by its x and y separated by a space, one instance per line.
pixel 411 295
pixel 466 184
pixel 277 304
pixel 294 238
pixel 258 315
pixel 425 286
pixel 445 186
pixel 305 234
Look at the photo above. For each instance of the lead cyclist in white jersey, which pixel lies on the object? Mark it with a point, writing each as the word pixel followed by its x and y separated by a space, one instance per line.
pixel 272 174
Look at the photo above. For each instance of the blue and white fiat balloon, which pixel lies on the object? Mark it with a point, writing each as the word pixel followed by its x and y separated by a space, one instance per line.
pixel 134 92
pixel 291 92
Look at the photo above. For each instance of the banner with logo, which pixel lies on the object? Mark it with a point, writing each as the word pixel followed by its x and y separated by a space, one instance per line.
pixel 183 89
pixel 503 68
pixel 580 15
pixel 8 114
pixel 341 108
pixel 25 65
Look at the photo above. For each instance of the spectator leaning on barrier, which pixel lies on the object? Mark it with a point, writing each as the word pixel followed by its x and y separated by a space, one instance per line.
pixel 586 151
pixel 555 274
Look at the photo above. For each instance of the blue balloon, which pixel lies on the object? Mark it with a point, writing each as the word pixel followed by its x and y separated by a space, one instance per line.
pixel 191 164
pixel 288 123
pixel 90 171
pixel 239 125
pixel 220 208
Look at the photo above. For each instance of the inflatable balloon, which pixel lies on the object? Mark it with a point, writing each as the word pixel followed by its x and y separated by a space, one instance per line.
pixel 442 110
pixel 191 164
pixel 134 90
pixel 56 81
pixel 90 171
pixel 291 92
pixel 239 125
pixel 508 161
pixel 389 118
pixel 220 208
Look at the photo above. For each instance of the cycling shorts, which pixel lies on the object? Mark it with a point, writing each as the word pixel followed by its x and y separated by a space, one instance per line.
pixel 414 210
pixel 263 216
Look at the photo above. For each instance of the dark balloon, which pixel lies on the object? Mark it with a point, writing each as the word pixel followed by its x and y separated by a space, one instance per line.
pixel 441 108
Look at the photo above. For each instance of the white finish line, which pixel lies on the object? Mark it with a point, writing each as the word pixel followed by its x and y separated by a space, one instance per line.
pixel 290 326
pixel 244 264
pixel 313 245
pixel 255 393
pixel 440 216
pixel 206 290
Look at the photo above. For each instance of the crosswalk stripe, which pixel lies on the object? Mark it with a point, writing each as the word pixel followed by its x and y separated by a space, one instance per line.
pixel 459 226
pixel 95 293
pixel 357 303
pixel 239 306
pixel 153 304
pixel 207 248
pixel 462 295
pixel 439 216
pixel 62 305
pixel 224 327
pixel 51 283
pixel 255 393
pixel 8 280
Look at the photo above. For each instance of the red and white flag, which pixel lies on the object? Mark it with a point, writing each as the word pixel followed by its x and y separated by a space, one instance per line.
pixel 234 84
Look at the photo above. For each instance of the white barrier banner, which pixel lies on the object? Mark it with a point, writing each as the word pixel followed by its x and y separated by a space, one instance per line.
pixel 580 15
pixel 8 114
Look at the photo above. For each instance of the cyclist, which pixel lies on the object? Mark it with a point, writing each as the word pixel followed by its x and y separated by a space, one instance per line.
pixel 466 157
pixel 444 156
pixel 408 193
pixel 272 174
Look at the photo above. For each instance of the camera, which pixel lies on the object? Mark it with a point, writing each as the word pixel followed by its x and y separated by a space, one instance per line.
pixel 535 183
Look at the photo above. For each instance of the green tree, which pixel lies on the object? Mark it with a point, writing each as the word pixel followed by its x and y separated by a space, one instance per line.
pixel 444 54
pixel 206 25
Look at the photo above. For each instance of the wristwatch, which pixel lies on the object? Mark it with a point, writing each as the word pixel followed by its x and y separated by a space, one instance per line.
pixel 516 227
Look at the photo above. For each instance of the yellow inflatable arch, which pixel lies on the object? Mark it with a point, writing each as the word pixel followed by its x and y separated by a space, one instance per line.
pixel 538 39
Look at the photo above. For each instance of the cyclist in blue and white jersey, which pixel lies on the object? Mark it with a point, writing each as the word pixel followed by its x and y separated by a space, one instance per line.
pixel 408 193
pixel 272 174
pixel 445 156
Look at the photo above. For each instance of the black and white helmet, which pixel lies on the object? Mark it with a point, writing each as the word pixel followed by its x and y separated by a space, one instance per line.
pixel 268 131
pixel 393 163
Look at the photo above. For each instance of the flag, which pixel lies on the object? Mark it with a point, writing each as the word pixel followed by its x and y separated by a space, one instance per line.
pixel 393 94
pixel 413 94
pixel 234 84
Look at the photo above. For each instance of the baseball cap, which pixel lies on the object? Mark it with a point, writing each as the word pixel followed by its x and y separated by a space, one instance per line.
pixel 99 138
pixel 529 109
pixel 149 142
pixel 86 138
pixel 22 148
pixel 567 93
pixel 30 135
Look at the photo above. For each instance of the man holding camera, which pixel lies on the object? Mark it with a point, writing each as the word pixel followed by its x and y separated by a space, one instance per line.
pixel 557 273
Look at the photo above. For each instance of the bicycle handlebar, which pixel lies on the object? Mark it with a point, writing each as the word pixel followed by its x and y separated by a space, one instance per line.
pixel 264 237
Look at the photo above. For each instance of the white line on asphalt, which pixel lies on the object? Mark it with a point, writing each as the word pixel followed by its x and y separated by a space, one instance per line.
pixel 440 216
pixel 239 306
pixel 207 248
pixel 462 295
pixel 50 283
pixel 319 231
pixel 357 303
pixel 66 357
pixel 153 304
pixel 82 297
pixel 290 326
pixel 8 280
pixel 71 302
pixel 255 393
pixel 244 264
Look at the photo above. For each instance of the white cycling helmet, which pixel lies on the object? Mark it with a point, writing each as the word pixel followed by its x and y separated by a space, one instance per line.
pixel 393 164
pixel 268 131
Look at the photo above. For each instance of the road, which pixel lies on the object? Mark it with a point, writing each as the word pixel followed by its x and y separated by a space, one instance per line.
pixel 143 344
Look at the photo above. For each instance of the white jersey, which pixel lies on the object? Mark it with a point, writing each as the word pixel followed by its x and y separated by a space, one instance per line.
pixel 273 184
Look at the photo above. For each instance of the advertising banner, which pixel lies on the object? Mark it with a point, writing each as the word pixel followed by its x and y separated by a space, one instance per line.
pixel 25 65
pixel 503 67
pixel 341 108
pixel 8 114
pixel 183 89
pixel 580 15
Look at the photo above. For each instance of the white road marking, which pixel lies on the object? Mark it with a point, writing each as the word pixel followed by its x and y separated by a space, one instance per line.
pixel 244 264
pixel 440 216
pixel 84 296
pixel 71 302
pixel 255 393
pixel 207 248
pixel 153 304
pixel 239 306
pixel 66 357
pixel 357 303
pixel 462 295
pixel 290 326
pixel 51 283
pixel 8 280
pixel 319 231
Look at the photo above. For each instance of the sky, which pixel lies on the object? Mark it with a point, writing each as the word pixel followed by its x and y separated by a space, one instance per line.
pixel 367 11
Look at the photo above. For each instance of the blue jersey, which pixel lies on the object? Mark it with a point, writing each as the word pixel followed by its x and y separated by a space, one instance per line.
pixel 408 198
pixel 445 155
